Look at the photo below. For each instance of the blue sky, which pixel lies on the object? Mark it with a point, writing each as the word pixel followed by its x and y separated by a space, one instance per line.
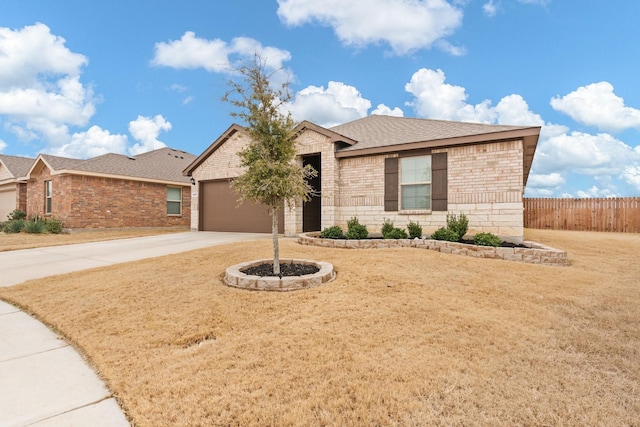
pixel 82 78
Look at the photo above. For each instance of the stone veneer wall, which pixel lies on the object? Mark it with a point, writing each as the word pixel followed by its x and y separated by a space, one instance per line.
pixel 534 253
pixel 485 183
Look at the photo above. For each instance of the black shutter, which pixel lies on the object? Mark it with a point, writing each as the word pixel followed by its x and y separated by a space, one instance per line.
pixel 391 184
pixel 439 182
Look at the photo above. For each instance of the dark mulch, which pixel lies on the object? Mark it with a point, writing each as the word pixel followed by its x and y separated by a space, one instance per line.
pixel 264 270
pixel 502 245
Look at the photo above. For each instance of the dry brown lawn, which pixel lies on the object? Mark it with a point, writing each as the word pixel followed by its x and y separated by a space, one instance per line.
pixel 14 241
pixel 402 337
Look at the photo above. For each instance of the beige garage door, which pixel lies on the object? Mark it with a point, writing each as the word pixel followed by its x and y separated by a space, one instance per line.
pixel 220 211
pixel 7 203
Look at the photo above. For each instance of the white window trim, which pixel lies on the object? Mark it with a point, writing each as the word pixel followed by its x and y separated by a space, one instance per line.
pixel 48 197
pixel 174 201
pixel 402 211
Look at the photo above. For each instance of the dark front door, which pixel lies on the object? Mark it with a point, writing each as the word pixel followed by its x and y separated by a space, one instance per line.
pixel 311 210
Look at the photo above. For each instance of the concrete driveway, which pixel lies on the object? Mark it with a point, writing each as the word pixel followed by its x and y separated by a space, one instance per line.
pixel 19 266
pixel 44 382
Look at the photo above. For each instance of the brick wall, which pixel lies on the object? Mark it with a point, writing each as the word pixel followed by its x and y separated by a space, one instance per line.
pixel 83 202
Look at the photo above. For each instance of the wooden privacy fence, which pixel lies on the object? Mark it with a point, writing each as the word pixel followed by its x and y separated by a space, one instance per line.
pixel 614 214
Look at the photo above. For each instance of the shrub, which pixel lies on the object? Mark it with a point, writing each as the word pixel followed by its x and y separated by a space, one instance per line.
pixel 35 226
pixel 445 234
pixel 355 230
pixel 53 225
pixel 387 226
pixel 334 232
pixel 396 233
pixel 458 224
pixel 415 230
pixel 13 226
pixel 486 239
pixel 17 214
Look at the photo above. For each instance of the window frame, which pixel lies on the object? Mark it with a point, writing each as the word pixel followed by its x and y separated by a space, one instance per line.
pixel 401 184
pixel 48 197
pixel 178 201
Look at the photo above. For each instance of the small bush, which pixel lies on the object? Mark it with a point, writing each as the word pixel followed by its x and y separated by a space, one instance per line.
pixel 355 230
pixel 415 230
pixel 53 225
pixel 387 226
pixel 17 214
pixel 458 224
pixel 487 239
pixel 334 232
pixel 445 234
pixel 396 233
pixel 13 226
pixel 35 226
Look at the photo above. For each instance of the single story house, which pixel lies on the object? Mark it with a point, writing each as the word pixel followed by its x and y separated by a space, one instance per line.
pixel 112 190
pixel 377 168
pixel 13 184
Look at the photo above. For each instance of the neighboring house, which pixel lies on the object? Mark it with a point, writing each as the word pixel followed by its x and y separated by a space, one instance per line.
pixel 13 184
pixel 112 190
pixel 382 167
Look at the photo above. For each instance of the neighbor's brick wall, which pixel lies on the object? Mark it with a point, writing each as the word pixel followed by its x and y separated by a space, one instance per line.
pixel 83 202
pixel 484 183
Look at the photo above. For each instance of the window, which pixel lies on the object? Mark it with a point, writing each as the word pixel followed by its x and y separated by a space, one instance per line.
pixel 174 201
pixel 47 197
pixel 415 183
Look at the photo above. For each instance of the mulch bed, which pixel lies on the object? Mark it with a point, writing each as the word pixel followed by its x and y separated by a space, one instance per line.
pixel 266 270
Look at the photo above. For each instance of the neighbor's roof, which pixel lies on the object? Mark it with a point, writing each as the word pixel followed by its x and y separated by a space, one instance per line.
pixel 17 166
pixel 162 165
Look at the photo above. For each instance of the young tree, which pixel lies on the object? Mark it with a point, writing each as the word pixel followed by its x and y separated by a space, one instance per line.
pixel 271 176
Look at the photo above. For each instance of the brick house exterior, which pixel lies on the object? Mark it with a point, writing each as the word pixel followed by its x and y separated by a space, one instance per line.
pixel 112 191
pixel 476 169
pixel 13 184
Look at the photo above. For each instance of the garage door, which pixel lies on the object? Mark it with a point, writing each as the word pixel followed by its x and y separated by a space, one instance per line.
pixel 220 211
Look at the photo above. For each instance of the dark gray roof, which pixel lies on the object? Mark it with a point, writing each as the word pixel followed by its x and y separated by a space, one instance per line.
pixel 17 166
pixel 164 164
pixel 383 131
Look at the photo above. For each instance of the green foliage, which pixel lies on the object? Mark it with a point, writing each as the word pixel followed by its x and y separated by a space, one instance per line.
pixel 53 225
pixel 415 230
pixel 17 214
pixel 35 226
pixel 355 230
pixel 458 224
pixel 447 234
pixel 396 233
pixel 387 226
pixel 334 232
pixel 13 226
pixel 486 239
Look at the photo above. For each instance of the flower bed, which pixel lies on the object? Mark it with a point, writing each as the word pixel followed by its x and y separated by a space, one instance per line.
pixel 534 253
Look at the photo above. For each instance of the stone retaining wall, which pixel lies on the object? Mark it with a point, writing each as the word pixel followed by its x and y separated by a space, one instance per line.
pixel 534 253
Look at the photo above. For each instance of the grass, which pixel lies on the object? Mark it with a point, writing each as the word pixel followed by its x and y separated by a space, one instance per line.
pixel 402 337
pixel 15 241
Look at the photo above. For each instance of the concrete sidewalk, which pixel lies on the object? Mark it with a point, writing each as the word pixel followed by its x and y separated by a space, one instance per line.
pixel 44 382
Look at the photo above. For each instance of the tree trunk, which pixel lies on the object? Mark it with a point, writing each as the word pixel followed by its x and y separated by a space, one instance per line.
pixel 276 247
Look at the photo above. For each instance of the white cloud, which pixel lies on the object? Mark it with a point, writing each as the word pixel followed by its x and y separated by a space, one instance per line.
pixel 338 103
pixel 595 192
pixel 435 99
pixel 552 180
pixel 597 105
pixel 146 130
pixel 40 90
pixel 631 175
pixel 383 110
pixel 3 145
pixel 404 25
pixel 490 8
pixel 216 55
pixel 94 142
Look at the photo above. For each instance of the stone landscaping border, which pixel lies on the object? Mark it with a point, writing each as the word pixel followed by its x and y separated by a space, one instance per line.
pixel 236 278
pixel 534 253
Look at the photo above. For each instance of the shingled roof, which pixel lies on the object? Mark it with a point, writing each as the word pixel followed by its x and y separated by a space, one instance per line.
pixel 17 166
pixel 162 165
